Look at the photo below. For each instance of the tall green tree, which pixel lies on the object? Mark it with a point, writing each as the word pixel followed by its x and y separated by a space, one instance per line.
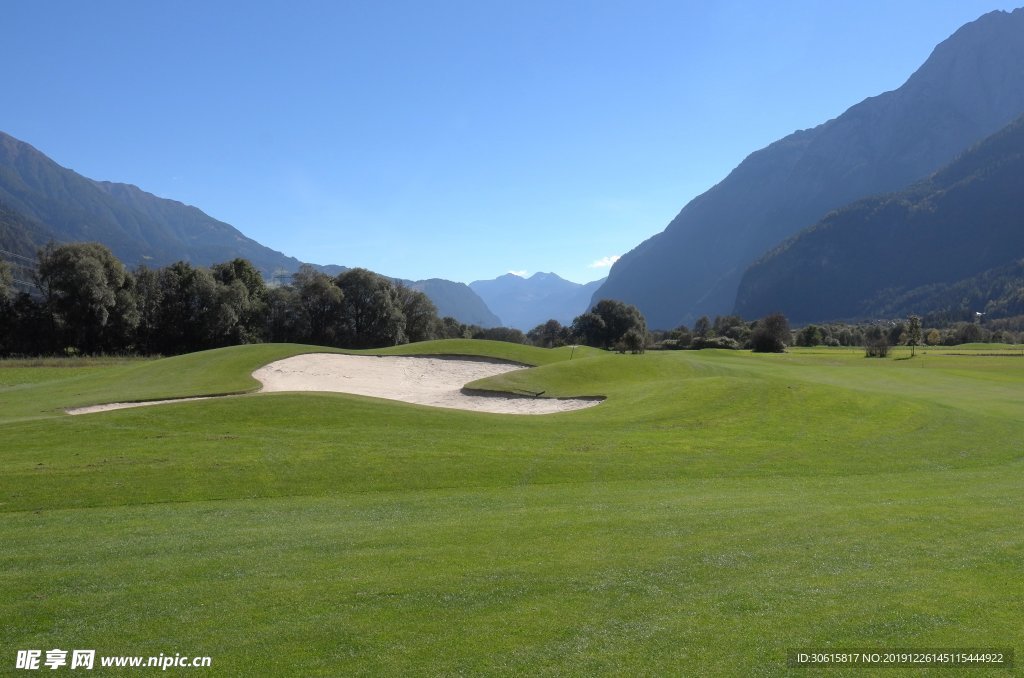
pixel 371 311
pixel 608 322
pixel 589 328
pixel 320 302
pixel 245 272
pixel 185 298
pixel 702 328
pixel 285 321
pixel 809 336
pixel 89 295
pixel 450 328
pixel 771 334
pixel 913 333
pixel 876 342
pixel 196 311
pixel 30 328
pixel 731 326
pixel 421 321
pixel 549 334
pixel 149 300
pixel 244 294
pixel 633 341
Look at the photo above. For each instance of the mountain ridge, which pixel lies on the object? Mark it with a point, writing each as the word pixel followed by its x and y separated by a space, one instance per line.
pixel 905 251
pixel 969 87
pixel 40 201
pixel 524 303
pixel 139 227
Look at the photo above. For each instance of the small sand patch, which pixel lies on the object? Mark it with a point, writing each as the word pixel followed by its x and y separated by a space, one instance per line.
pixel 433 381
pixel 125 406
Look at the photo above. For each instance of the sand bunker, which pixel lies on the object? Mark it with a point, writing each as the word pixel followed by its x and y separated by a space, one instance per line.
pixel 435 381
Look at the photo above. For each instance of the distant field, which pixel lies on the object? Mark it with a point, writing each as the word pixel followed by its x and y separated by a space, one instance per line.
pixel 716 510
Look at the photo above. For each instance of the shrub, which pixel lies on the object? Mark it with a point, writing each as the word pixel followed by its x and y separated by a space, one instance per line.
pixel 634 341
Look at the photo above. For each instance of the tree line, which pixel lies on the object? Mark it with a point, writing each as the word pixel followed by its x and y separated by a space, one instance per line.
pixel 773 333
pixel 87 302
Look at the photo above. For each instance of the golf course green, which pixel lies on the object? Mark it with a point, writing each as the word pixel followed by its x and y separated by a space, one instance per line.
pixel 717 510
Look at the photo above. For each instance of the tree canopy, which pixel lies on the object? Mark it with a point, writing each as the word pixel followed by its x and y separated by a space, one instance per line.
pixel 771 334
pixel 91 303
pixel 89 293
pixel 607 323
pixel 371 310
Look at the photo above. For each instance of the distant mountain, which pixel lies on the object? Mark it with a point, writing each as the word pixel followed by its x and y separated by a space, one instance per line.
pixel 997 292
pixel 20 239
pixel 971 86
pixel 457 300
pixel 20 235
pixel 41 201
pixel 524 303
pixel 138 227
pixel 952 239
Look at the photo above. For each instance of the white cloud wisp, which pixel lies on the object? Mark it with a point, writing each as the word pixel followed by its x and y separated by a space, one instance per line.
pixel 605 262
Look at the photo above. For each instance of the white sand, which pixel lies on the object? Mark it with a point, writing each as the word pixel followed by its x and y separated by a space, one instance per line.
pixel 425 381
pixel 124 406
pixel 437 382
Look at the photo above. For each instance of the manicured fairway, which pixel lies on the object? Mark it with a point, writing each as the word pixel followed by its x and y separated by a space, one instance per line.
pixel 718 509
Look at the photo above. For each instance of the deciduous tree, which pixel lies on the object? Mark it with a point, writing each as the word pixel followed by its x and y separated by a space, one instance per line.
pixel 88 294
pixel 421 321
pixel 245 295
pixel 702 328
pixel 913 333
pixel 549 334
pixel 876 342
pixel 771 334
pixel 320 302
pixel 371 312
pixel 607 323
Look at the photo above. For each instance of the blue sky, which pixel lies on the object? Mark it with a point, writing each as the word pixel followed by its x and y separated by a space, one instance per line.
pixel 445 139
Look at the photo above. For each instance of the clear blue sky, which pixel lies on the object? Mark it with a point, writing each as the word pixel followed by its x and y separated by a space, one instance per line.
pixel 445 139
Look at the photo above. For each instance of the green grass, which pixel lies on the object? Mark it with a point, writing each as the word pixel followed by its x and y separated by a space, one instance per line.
pixel 717 509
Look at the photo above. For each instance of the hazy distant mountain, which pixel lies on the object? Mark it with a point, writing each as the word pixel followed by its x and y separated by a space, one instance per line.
pixel 138 227
pixel 524 303
pixel 971 86
pixel 921 250
pixel 457 300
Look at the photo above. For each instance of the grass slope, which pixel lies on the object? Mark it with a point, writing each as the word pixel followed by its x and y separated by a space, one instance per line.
pixel 718 509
